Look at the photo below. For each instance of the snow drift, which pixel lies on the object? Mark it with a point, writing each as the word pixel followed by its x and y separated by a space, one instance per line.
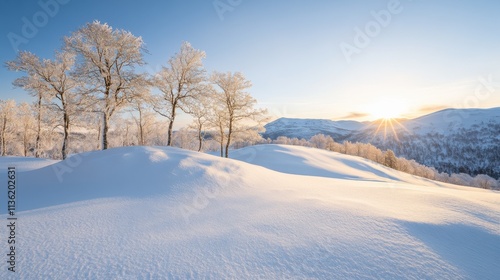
pixel 287 212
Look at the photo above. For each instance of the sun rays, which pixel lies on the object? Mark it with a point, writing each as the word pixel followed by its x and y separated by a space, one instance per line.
pixel 388 125
pixel 386 112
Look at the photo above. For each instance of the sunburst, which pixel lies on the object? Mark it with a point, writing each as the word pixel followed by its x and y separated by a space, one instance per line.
pixel 386 112
pixel 388 124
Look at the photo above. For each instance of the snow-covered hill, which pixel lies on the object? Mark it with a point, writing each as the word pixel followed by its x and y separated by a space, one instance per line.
pixel 273 212
pixel 451 140
pixel 448 120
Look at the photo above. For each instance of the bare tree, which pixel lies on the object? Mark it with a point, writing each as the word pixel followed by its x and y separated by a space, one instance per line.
pixel 219 119
pixel 51 77
pixel 183 138
pixel 33 86
pixel 107 61
pixel 200 108
pixel 180 83
pixel 390 159
pixel 39 113
pixel 142 115
pixel 7 119
pixel 27 125
pixel 239 106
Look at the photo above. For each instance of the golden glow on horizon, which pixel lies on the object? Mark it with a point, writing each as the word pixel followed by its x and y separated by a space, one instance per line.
pixel 387 109
pixel 386 112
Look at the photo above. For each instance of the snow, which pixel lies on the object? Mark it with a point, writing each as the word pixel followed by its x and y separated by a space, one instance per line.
pixel 314 162
pixel 306 128
pixel 272 212
pixel 452 119
pixel 24 163
pixel 448 120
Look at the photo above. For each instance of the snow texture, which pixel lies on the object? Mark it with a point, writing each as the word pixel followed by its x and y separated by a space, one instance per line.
pixel 272 212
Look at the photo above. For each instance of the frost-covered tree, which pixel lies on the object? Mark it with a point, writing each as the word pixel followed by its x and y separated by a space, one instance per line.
pixel 7 123
pixel 460 179
pixel 282 140
pixel 321 141
pixel 27 126
pixel 238 105
pixel 53 78
pixel 140 109
pixel 107 61
pixel 31 83
pixel 350 148
pixel 199 109
pixel 183 138
pixel 181 82
pixel 390 159
pixel 218 119
pixel 485 182
pixel 144 120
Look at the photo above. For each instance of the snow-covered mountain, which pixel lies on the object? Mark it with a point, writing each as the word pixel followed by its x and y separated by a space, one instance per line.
pixel 306 128
pixel 272 212
pixel 451 140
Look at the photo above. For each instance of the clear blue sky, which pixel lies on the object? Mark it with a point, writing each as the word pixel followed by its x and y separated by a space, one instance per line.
pixel 429 55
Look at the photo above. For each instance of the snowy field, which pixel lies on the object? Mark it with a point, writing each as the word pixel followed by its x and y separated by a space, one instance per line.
pixel 271 212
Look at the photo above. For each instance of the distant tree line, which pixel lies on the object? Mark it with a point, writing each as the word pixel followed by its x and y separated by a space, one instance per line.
pixel 389 159
pixel 472 150
pixel 94 79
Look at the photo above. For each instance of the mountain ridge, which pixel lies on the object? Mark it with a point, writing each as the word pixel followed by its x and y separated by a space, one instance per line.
pixel 452 140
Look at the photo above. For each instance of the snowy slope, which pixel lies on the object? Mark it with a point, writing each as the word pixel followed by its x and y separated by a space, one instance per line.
pixel 448 120
pixel 156 213
pixel 315 162
pixel 24 163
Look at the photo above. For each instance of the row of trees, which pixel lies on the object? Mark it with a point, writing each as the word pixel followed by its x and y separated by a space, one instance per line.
pixel 389 159
pixel 95 75
pixel 18 128
pixel 21 131
pixel 455 150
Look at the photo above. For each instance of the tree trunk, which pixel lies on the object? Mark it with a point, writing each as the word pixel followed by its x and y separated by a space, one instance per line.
pixel 222 146
pixel 125 140
pixel 38 128
pixel 99 135
pixel 142 137
pixel 64 149
pixel 229 137
pixel 200 138
pixel 4 128
pixel 169 136
pixel 221 132
pixel 141 131
pixel 25 141
pixel 171 125
pixel 105 128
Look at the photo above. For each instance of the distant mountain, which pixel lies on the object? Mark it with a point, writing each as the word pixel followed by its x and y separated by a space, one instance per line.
pixel 306 128
pixel 451 140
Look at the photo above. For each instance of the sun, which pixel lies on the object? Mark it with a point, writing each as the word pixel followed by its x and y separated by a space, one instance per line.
pixel 387 109
pixel 385 114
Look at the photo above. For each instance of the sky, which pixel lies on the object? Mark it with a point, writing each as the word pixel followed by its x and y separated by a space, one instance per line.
pixel 356 59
